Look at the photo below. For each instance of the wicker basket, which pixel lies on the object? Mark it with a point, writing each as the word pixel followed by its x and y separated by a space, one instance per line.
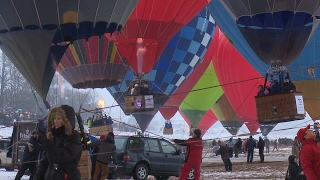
pixel 279 108
pixel 167 131
pixel 85 165
pixel 100 130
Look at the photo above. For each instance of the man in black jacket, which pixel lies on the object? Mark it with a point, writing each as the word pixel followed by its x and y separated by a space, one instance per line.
pixel 250 144
pixel 261 145
pixel 30 157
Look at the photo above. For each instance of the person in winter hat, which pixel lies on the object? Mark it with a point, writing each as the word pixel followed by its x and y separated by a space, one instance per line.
pixel 309 153
pixel 62 148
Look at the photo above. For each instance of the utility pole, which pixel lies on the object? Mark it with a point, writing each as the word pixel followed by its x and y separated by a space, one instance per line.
pixel 2 81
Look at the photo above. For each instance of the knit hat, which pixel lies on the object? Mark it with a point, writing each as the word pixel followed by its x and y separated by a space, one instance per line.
pixel 102 137
pixel 301 132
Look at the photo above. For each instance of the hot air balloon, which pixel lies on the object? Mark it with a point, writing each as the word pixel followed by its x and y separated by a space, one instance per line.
pixel 170 108
pixel 231 31
pixel 226 115
pixel 28 29
pixel 240 81
pixel 180 57
pixel 150 27
pixel 203 95
pixel 205 123
pixel 266 128
pixel 277 32
pixel 93 63
pixel 306 75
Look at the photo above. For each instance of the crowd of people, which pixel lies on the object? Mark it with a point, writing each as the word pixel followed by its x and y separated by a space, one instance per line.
pixel 9 115
pixel 276 88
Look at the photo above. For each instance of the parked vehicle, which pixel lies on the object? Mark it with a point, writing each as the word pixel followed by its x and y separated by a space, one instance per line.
pixel 5 161
pixel 140 156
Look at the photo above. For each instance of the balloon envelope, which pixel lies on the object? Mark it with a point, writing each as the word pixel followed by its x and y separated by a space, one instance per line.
pixel 150 27
pixel 93 63
pixel 180 57
pixel 275 30
pixel 28 29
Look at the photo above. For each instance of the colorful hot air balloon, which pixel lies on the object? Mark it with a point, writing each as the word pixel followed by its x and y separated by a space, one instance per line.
pixel 306 75
pixel 28 29
pixel 240 81
pixel 170 108
pixel 203 95
pixel 205 123
pixel 93 63
pixel 276 30
pixel 266 128
pixel 231 31
pixel 176 63
pixel 150 27
pixel 226 115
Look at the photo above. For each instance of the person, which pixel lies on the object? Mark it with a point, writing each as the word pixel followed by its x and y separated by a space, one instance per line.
pixel 295 147
pixel 274 87
pixel 89 122
pixel 237 147
pixel 224 152
pixel 214 142
pixel 244 145
pixel 107 150
pixel 261 145
pixel 309 153
pixel 261 91
pixel 267 142
pixel 62 146
pixel 230 145
pixel 275 145
pixel 193 157
pixel 30 157
pixel 109 120
pixel 94 154
pixel 295 171
pixel 250 145
pixel 135 90
pixel 289 86
pixel 145 89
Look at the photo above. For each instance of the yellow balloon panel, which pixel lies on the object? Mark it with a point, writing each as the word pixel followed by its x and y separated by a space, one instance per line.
pixel 311 96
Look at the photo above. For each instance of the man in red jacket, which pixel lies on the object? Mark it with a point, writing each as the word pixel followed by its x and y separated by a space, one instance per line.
pixel 193 155
pixel 309 154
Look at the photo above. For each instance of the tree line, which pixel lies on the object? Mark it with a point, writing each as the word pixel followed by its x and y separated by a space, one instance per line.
pixel 17 95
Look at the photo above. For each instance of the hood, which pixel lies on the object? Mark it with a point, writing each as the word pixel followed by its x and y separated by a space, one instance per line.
pixel 291 159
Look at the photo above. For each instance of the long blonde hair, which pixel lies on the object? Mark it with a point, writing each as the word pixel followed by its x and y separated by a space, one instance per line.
pixel 50 121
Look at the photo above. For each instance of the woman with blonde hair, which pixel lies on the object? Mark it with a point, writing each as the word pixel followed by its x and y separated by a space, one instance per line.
pixel 62 147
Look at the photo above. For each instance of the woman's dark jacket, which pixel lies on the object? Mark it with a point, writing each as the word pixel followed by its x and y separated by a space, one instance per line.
pixel 60 158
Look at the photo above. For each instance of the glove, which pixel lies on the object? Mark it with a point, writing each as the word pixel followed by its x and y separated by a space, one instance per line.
pixel 42 137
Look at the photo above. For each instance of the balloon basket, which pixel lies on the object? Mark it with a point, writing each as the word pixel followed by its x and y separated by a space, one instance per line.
pixel 85 165
pixel 138 103
pixel 168 131
pixel 100 130
pixel 281 107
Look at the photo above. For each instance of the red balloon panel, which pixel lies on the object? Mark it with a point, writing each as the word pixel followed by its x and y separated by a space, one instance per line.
pixel 150 27
pixel 230 67
pixel 207 121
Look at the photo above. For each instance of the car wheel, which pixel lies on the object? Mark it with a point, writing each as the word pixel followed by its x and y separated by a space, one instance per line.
pixel 191 174
pixel 141 172
pixel 161 177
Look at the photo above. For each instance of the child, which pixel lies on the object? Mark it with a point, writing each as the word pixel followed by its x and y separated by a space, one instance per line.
pixel 223 150
pixel 295 171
